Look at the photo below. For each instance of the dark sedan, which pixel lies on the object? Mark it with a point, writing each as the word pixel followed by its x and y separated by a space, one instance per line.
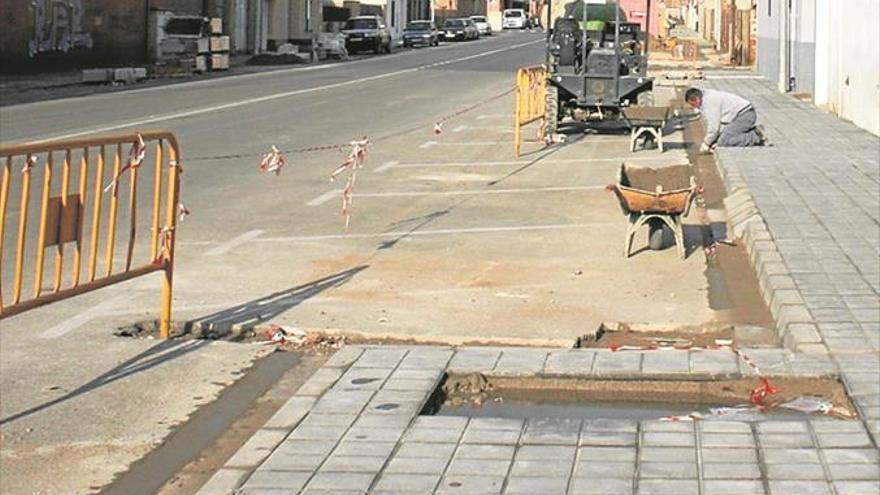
pixel 366 32
pixel 421 33
pixel 460 30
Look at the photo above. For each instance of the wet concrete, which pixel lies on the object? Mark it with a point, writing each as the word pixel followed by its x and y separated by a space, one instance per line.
pixel 509 405
pixel 149 474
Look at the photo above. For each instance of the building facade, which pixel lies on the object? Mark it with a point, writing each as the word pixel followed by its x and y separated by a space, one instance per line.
pixel 827 51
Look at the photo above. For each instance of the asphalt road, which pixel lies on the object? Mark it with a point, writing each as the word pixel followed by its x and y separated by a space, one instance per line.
pixel 451 239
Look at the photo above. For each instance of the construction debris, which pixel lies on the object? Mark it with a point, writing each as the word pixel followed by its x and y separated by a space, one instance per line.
pixel 295 338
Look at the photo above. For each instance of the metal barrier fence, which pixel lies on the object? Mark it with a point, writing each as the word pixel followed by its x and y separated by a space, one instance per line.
pixel 78 218
pixel 531 92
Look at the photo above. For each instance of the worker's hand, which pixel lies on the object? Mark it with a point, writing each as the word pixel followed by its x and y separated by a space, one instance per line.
pixel 705 148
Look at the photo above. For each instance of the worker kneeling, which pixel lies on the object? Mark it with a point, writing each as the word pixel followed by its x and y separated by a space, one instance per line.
pixel 730 119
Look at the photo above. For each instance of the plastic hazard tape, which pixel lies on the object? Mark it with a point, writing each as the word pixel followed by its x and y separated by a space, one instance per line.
pixel 758 394
pixel 355 160
pixel 136 155
pixel 438 125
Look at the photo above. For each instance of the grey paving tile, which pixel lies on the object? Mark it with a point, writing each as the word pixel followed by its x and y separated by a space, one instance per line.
pixel 851 456
pixel 733 487
pixel 608 438
pixel 364 448
pixel 570 362
pixel 730 440
pixel 799 488
pixel 668 454
pixel 545 468
pixel 556 453
pixel 800 471
pixel 470 359
pixel 668 470
pixel 477 485
pixel 667 487
pixel 481 451
pixel 601 486
pixel 478 467
pixel 728 455
pixel 410 465
pixel 531 485
pixel 715 471
pixel 606 424
pixel 499 437
pixel 354 464
pixel 608 454
pixel 291 481
pixel 422 450
pixel 789 456
pixel 517 361
pixel 857 487
pixel 601 469
pixel 617 363
pixel 868 472
pixel 415 483
pixel 341 481
pixel 558 431
pixel 660 439
pixel 830 440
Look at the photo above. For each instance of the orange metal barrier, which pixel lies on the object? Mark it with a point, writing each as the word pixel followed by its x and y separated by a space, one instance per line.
pixel 63 216
pixel 531 91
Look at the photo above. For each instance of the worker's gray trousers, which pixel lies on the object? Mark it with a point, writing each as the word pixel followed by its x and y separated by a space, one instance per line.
pixel 741 130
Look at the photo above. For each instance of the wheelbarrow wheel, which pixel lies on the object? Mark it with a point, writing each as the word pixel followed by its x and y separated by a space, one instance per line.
pixel 657 234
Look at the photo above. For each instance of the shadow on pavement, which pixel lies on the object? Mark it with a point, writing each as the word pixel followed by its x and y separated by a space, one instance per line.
pixel 156 355
pixel 268 307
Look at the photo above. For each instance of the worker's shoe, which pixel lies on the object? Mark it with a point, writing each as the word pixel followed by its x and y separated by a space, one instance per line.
pixel 759 130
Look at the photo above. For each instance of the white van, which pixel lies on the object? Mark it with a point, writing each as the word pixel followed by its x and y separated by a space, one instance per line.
pixel 513 19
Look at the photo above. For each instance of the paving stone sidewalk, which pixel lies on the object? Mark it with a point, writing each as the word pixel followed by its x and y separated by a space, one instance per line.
pixel 355 428
pixel 809 208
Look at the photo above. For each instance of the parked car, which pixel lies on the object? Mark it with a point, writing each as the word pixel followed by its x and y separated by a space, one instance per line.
pixel 462 29
pixel 513 19
pixel 421 33
pixel 366 32
pixel 482 24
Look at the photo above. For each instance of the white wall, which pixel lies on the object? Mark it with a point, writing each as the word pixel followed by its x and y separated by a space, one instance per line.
pixel 851 52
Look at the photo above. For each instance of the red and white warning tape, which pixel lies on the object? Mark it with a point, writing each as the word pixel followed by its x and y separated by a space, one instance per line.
pixel 438 124
pixel 354 161
pixel 135 157
pixel 758 394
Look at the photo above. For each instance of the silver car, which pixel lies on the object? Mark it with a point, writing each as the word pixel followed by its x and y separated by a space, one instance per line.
pixel 482 24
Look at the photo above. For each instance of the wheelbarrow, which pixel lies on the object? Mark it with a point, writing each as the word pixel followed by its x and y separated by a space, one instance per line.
pixel 658 197
pixel 647 121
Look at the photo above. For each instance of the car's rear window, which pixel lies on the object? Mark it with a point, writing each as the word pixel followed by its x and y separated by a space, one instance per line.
pixel 478 19
pixel 454 23
pixel 419 26
pixel 513 13
pixel 361 24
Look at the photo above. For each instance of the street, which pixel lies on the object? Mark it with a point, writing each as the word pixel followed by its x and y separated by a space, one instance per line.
pixel 452 241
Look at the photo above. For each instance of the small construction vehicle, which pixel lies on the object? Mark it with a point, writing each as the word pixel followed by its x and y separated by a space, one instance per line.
pixel 597 64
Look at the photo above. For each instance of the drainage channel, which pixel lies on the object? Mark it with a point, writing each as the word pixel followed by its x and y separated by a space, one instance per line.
pixel 203 428
pixel 477 395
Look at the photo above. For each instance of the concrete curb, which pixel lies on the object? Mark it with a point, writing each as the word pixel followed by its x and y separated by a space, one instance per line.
pixel 795 325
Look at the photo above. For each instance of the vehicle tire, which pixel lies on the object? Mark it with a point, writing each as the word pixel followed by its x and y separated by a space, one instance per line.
pixel 657 234
pixel 551 110
pixel 645 99
pixel 389 48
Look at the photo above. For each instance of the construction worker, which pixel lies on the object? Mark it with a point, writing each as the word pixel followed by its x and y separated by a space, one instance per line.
pixel 730 119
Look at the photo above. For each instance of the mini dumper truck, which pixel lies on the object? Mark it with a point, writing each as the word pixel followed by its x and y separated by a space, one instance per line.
pixel 597 63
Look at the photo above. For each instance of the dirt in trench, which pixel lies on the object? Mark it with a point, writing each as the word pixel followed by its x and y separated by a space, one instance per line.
pixel 609 336
pixel 477 389
pixel 733 286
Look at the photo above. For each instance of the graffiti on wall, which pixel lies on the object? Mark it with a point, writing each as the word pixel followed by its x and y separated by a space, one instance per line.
pixel 58 27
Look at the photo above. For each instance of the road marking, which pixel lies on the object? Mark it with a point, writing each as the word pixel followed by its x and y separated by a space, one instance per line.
pixel 408 194
pixel 429 144
pixel 501 163
pixel 493 116
pixel 276 96
pixel 81 319
pixel 327 196
pixel 434 232
pixel 385 166
pixel 234 243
